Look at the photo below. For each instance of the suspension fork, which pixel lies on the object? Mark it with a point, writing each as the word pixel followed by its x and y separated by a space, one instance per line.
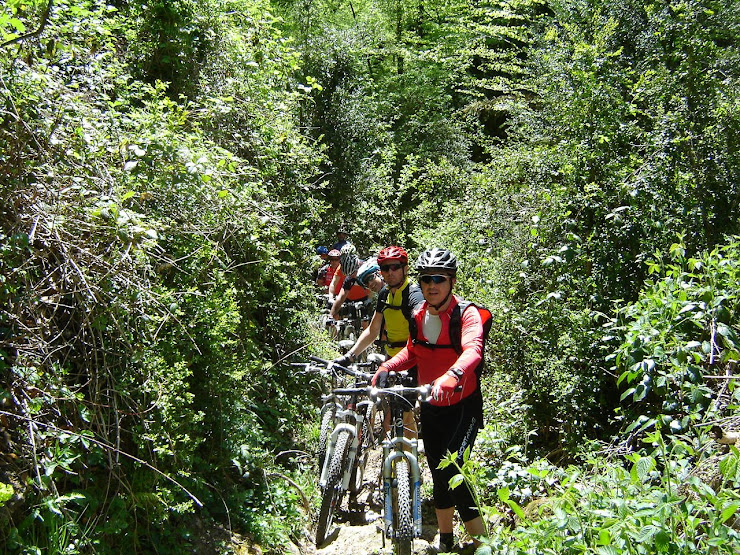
pixel 332 443
pixel 392 451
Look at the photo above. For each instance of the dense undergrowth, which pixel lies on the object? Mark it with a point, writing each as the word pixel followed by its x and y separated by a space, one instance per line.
pixel 167 168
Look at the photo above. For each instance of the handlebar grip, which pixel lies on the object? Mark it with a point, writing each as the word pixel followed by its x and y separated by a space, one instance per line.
pixel 351 390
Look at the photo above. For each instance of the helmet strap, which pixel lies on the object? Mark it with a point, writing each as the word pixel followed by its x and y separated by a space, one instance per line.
pixel 437 306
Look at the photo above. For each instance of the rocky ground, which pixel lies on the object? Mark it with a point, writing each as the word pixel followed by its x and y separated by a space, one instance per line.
pixel 358 531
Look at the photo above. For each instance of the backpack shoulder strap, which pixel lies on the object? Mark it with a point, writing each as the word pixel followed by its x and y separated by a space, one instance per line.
pixel 405 309
pixel 413 329
pixel 412 299
pixel 455 326
pixel 382 299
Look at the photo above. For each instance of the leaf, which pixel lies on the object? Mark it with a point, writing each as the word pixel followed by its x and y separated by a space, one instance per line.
pixel 130 165
pixel 641 392
pixel 729 466
pixel 727 332
pixel 18 24
pixel 503 494
pixel 662 540
pixel 647 533
pixel 456 480
pixel 517 509
pixel 6 493
pixel 642 468
pixel 729 511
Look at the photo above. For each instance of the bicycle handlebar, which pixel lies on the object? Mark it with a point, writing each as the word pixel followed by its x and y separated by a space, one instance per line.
pixel 351 371
pixel 352 390
pixel 424 392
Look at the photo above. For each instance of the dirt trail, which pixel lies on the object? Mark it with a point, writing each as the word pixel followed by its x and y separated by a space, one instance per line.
pixel 358 531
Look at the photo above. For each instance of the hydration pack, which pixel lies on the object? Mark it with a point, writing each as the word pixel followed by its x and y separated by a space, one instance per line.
pixel 455 329
pixel 406 309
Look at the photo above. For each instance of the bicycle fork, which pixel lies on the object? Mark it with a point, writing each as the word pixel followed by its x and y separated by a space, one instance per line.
pixel 389 458
pixel 352 454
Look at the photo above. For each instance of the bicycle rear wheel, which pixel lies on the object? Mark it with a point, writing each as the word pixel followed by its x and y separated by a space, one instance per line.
pixel 403 524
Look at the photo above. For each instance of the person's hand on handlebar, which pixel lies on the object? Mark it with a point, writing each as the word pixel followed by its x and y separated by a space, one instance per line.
pixel 345 360
pixel 444 386
pixel 380 379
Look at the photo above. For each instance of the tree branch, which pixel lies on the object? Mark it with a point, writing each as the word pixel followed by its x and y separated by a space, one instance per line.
pixel 37 32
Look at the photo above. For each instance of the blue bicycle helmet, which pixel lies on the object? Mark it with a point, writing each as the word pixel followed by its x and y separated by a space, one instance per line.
pixel 367 271
pixel 322 250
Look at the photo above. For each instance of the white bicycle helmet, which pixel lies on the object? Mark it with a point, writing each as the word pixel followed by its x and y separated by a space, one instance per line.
pixel 348 259
pixel 434 260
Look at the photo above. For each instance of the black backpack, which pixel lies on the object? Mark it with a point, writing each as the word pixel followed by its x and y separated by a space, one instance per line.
pixel 455 329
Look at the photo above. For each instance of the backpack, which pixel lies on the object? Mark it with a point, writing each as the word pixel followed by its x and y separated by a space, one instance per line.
pixel 405 307
pixel 455 329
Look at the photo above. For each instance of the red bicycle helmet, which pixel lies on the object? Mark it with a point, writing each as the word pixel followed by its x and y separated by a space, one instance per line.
pixel 392 253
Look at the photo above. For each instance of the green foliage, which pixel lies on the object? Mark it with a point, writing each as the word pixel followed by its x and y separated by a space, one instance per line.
pixel 680 334
pixel 149 281
pixel 641 505
pixel 167 168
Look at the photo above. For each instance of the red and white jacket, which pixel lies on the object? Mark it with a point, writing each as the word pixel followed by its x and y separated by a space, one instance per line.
pixel 434 362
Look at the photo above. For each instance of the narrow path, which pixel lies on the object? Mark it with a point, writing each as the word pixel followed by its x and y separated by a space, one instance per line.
pixel 357 531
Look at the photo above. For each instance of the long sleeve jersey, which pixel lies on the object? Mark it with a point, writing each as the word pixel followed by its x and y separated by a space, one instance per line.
pixel 433 360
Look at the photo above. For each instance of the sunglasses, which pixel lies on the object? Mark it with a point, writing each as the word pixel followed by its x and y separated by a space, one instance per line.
pixel 389 267
pixel 365 281
pixel 332 258
pixel 435 278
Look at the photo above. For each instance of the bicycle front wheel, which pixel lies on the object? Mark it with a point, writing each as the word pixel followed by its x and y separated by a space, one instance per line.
pixel 403 524
pixel 332 494
pixel 327 423
pixel 328 502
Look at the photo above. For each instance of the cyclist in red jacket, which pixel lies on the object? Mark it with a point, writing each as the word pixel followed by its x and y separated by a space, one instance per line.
pixel 451 420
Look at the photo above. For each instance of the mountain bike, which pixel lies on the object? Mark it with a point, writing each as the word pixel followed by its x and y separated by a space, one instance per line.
pixel 359 313
pixel 343 460
pixel 344 329
pixel 400 471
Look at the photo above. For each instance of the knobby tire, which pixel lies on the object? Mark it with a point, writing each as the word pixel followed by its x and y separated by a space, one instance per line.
pixel 332 493
pixel 367 442
pixel 328 500
pixel 327 423
pixel 403 525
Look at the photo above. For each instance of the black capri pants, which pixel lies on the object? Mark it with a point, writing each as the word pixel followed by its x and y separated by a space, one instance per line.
pixel 454 429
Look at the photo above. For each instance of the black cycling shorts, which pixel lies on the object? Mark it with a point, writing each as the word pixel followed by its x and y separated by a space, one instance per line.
pixel 451 429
